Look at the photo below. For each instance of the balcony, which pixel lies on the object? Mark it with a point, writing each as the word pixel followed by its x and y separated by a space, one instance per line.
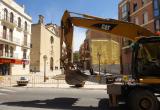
pixel 25 44
pixel 8 22
pixel 25 56
pixel 27 30
pixel 20 28
pixel 16 40
pixel 9 39
pixel 9 55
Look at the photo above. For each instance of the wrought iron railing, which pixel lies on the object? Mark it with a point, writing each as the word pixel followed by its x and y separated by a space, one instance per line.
pixel 9 38
pixel 8 19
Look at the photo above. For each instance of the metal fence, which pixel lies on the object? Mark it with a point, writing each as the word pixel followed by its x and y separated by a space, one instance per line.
pixel 35 81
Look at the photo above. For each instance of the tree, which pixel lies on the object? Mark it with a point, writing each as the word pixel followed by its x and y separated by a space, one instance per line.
pixel 75 56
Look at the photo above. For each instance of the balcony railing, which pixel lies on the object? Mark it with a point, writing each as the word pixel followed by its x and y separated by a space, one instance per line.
pixel 8 55
pixel 9 39
pixel 16 40
pixel 14 23
pixel 8 21
pixel 25 44
pixel 27 31
pixel 20 28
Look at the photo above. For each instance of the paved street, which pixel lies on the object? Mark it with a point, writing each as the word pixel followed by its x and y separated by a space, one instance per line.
pixel 52 98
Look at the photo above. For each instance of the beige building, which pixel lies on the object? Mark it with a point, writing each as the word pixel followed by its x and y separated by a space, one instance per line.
pixel 45 42
pixel 15 34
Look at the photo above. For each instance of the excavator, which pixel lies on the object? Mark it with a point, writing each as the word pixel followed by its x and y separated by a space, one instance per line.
pixel 141 92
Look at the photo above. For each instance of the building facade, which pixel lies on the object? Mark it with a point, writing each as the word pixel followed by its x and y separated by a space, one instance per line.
pixel 84 55
pixel 145 13
pixel 45 44
pixel 101 48
pixel 15 35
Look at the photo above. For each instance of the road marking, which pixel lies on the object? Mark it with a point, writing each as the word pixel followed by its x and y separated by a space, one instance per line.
pixel 7 90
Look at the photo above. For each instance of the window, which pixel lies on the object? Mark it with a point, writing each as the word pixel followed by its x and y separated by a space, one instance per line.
pixel 124 10
pixel 25 40
pixel 25 26
pixel 157 25
pixel 4 32
pixel 6 50
pixel 24 65
pixel 11 35
pixel 144 2
pixel 51 63
pixel 19 22
pixel 1 49
pixel 148 51
pixel 11 51
pixel 52 39
pixel 31 45
pixel 11 17
pixel 5 14
pixel 24 53
pixel 135 6
pixel 145 17
pixel 156 8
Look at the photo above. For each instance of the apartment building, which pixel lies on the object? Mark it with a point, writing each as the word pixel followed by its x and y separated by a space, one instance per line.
pixel 15 34
pixel 101 48
pixel 45 47
pixel 145 13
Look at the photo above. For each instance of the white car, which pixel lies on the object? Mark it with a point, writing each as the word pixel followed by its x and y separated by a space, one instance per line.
pixel 23 81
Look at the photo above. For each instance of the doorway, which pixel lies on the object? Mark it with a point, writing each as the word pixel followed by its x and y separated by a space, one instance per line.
pixel 5 69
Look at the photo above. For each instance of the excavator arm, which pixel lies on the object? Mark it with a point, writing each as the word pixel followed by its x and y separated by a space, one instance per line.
pixel 111 26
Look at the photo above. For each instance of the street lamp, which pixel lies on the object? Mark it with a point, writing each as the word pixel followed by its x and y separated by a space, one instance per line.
pixel 45 59
pixel 99 58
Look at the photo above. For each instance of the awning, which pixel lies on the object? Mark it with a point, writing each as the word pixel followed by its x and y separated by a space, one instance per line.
pixel 13 61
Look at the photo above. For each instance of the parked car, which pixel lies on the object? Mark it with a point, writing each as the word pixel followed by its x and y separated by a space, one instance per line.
pixel 23 81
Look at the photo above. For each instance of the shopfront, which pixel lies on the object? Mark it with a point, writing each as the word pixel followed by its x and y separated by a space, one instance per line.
pixel 6 65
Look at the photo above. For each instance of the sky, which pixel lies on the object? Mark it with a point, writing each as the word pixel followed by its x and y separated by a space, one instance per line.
pixel 53 10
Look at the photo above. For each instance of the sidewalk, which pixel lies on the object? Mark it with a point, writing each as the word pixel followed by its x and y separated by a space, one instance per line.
pixel 86 86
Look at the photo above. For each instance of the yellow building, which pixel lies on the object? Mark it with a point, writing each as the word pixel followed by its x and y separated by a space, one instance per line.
pixel 104 49
pixel 107 51
pixel 45 43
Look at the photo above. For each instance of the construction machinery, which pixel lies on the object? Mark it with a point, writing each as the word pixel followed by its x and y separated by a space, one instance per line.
pixel 141 90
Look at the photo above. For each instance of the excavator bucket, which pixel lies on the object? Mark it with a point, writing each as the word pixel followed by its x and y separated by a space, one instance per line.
pixel 74 77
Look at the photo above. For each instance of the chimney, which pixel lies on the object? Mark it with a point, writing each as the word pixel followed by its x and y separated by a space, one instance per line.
pixel 41 19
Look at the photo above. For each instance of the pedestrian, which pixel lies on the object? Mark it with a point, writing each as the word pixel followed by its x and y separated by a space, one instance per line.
pixel 91 71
